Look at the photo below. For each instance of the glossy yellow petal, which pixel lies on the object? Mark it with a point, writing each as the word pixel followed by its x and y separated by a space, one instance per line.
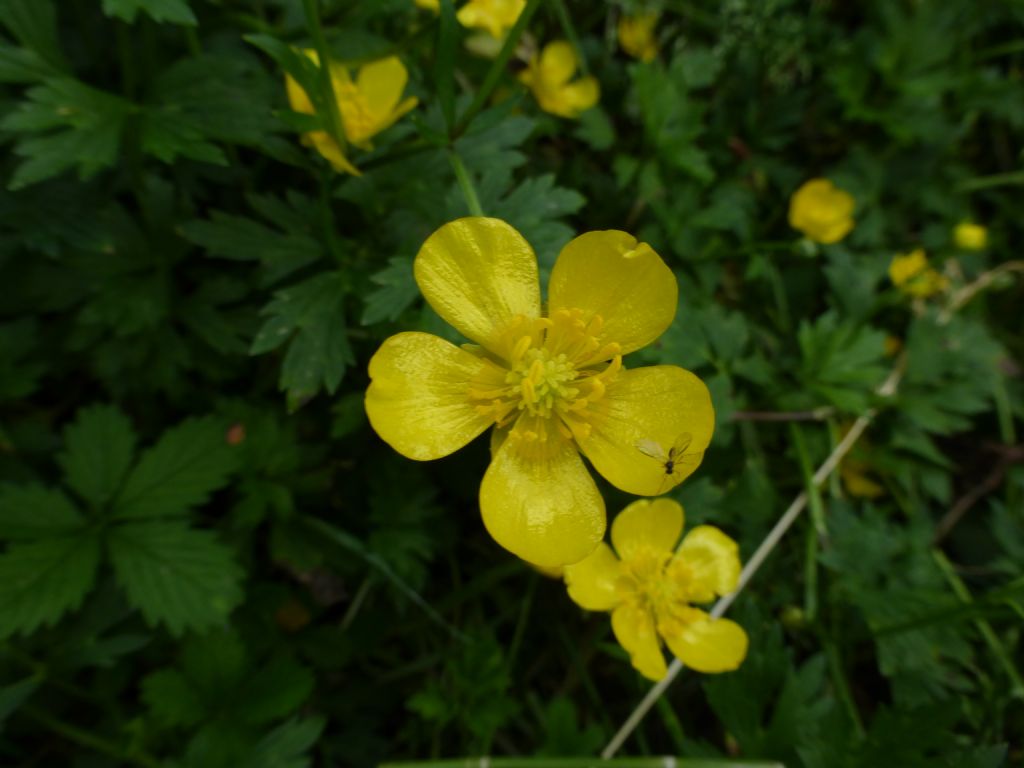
pixel 650 430
pixel 328 148
pixel 592 581
pixel 495 16
pixel 624 281
pixel 822 211
pixel 636 35
pixel 581 95
pixel 647 524
pixel 634 629
pixel 557 63
pixel 703 644
pixel 539 501
pixel 707 564
pixel 381 83
pixel 479 274
pixel 298 99
pixel 417 399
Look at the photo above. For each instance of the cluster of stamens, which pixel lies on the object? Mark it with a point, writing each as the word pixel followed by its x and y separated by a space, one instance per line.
pixel 656 582
pixel 551 372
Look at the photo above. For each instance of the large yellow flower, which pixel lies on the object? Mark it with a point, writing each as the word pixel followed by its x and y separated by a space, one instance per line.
pixel 822 211
pixel 496 17
pixel 636 35
pixel 550 75
pixel 914 276
pixel 650 585
pixel 552 382
pixel 370 104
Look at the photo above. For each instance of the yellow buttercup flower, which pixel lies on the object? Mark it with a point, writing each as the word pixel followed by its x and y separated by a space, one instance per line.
pixel 429 5
pixel 650 585
pixel 549 76
pixel 970 236
pixel 370 104
pixel 496 17
pixel 822 211
pixel 552 383
pixel 911 273
pixel 636 35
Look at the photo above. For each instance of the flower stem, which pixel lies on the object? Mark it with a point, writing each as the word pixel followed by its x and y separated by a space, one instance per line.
pixel 316 31
pixel 84 738
pixel 465 184
pixel 570 33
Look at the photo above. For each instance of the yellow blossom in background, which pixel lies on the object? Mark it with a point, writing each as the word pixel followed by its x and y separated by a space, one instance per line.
pixel 854 471
pixel 496 17
pixel 911 273
pixel 822 211
pixel 429 5
pixel 636 35
pixel 368 105
pixel 649 585
pixel 551 383
pixel 550 75
pixel 970 236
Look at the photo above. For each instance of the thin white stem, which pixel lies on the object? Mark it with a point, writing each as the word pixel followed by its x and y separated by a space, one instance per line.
pixel 755 562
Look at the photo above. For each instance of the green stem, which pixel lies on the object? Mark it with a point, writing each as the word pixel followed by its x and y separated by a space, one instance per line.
pixel 779 292
pixel 357 603
pixel 87 739
pixel 816 530
pixel 570 33
pixel 327 219
pixel 835 666
pixel 672 724
pixel 465 184
pixel 964 595
pixel 496 70
pixel 995 180
pixel 316 32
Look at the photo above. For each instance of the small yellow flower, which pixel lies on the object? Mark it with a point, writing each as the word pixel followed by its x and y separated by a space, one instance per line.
pixel 970 236
pixel 636 36
pixel 822 211
pixel 650 585
pixel 552 384
pixel 855 471
pixel 549 75
pixel 911 273
pixel 429 5
pixel 496 17
pixel 367 106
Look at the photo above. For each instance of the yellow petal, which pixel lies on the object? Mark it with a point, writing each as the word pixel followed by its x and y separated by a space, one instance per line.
pixel 479 274
pixel 660 406
pixel 704 644
pixel 591 581
pixel 822 211
pixel 417 398
pixel 710 561
pixel 381 83
pixel 625 282
pixel 298 99
pixel 581 95
pixel 634 629
pixel 647 525
pixel 542 506
pixel 328 148
pixel 557 63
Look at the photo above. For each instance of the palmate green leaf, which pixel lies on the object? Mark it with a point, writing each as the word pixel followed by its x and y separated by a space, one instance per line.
pixel 33 23
pixel 397 291
pixel 65 124
pixel 21 65
pixel 40 581
pixel 310 317
pixel 174 11
pixel 189 462
pixel 176 576
pixel 29 512
pixel 98 449
pixel 842 362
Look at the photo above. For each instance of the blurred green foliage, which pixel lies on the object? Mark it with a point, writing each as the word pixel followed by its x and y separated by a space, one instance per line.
pixel 208 559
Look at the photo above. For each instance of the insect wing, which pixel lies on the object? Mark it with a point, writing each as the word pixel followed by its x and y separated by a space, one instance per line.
pixel 681 444
pixel 651 448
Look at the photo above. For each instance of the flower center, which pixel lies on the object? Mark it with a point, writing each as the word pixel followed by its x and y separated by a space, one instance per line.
pixel 553 369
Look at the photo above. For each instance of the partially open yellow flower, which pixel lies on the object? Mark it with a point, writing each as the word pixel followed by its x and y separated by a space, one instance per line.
pixel 552 383
pixel 970 236
pixel 911 273
pixel 650 585
pixel 367 106
pixel 636 35
pixel 822 211
pixel 496 17
pixel 549 76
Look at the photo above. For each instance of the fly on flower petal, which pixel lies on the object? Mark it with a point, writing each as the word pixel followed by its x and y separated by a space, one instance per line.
pixel 675 461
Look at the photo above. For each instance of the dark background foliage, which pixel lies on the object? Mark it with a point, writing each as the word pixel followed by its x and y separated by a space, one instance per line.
pixel 207 558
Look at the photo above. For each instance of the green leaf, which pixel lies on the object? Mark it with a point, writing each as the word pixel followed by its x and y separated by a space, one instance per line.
pixel 842 361
pixel 34 511
pixel 21 65
pixel 286 746
pixel 13 696
pixel 397 291
pixel 98 449
pixel 174 11
pixel 20 367
pixel 65 124
pixel 310 317
pixel 171 699
pixel 177 576
pixel 42 580
pixel 34 24
pixel 190 462
pixel 444 64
